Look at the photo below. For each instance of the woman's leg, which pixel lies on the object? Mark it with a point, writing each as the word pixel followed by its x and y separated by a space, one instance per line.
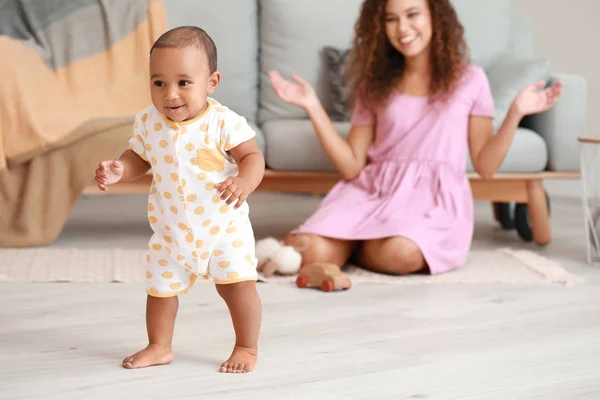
pixel 395 256
pixel 315 248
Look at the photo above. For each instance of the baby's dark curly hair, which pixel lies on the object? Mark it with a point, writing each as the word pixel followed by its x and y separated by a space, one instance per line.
pixel 184 36
pixel 376 67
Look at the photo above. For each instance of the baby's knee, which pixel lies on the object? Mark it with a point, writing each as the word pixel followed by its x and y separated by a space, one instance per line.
pixel 230 290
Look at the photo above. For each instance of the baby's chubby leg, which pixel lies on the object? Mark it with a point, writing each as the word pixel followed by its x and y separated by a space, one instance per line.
pixel 160 323
pixel 245 308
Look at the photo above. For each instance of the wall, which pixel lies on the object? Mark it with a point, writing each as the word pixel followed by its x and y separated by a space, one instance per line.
pixel 567 34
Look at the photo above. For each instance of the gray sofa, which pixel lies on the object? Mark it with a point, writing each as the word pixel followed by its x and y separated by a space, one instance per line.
pixel 255 36
pixel 293 36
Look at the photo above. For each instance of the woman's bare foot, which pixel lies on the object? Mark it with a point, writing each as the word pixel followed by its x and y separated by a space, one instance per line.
pixel 154 354
pixel 242 360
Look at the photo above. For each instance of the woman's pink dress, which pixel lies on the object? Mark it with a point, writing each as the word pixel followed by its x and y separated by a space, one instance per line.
pixel 414 184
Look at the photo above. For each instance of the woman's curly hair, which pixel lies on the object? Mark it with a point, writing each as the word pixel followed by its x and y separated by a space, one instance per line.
pixel 376 67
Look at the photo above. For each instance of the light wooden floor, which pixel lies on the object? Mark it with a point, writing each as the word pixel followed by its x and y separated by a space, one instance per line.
pixel 65 341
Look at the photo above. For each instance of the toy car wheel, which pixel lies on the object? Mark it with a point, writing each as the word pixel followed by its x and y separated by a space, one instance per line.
pixel 327 285
pixel 301 281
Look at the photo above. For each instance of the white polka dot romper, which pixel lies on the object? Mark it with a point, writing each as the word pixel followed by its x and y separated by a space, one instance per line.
pixel 195 232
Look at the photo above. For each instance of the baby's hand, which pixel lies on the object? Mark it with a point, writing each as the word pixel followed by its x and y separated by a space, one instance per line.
pixel 232 189
pixel 109 172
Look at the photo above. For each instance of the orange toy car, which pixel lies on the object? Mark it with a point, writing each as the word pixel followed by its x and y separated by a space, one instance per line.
pixel 328 277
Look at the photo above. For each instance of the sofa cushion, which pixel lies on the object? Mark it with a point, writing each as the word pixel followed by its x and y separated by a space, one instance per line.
pixel 508 77
pixel 293 35
pixel 528 153
pixel 293 145
pixel 236 37
pixel 488 28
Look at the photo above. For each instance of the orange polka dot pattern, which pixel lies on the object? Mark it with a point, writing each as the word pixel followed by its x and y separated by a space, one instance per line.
pixel 196 235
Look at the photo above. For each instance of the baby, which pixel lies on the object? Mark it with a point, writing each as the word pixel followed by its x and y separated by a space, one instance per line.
pixel 204 164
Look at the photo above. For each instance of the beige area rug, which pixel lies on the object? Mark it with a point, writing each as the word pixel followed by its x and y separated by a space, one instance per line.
pixel 126 265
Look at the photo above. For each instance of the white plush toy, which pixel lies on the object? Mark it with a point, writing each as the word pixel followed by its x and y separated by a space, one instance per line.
pixel 274 257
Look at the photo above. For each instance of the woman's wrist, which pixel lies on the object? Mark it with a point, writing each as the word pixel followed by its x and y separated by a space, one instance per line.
pixel 313 107
pixel 513 113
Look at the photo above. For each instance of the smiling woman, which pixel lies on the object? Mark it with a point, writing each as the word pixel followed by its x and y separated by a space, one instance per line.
pixel 420 108
pixel 405 31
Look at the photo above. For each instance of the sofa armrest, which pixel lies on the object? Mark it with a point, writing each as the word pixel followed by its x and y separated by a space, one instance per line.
pixel 563 124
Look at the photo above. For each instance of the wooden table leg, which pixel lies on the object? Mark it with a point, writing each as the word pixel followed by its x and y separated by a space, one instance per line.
pixel 538 212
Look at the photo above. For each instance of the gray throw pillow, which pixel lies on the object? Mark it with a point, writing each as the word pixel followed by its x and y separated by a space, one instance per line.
pixel 335 66
pixel 509 76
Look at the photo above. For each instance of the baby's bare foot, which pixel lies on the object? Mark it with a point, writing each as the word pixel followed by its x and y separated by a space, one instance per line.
pixel 152 355
pixel 242 360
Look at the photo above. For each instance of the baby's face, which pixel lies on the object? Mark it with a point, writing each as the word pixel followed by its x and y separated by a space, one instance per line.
pixel 180 81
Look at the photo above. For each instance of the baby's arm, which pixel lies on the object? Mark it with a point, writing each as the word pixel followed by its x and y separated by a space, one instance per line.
pixel 128 167
pixel 134 165
pixel 131 164
pixel 251 164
